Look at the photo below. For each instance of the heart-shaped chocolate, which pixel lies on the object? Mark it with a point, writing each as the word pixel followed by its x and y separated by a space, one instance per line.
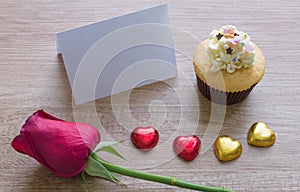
pixel 227 149
pixel 145 138
pixel 260 135
pixel 187 147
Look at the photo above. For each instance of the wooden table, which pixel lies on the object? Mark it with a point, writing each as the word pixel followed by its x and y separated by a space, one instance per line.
pixel 32 77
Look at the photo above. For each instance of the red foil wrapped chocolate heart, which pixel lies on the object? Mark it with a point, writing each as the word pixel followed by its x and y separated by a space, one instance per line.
pixel 187 147
pixel 145 138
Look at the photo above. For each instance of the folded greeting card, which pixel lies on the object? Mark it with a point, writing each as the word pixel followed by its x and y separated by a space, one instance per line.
pixel 118 54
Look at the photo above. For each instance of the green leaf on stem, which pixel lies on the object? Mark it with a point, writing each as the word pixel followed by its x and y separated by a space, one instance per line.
pixel 94 168
pixel 106 146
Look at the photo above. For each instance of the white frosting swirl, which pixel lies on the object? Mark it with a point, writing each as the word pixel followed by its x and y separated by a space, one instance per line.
pixel 231 49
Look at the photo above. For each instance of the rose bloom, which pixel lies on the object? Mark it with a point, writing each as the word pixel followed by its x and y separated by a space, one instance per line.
pixel 60 146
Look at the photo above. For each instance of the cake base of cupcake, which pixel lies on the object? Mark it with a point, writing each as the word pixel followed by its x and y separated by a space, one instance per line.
pixel 221 97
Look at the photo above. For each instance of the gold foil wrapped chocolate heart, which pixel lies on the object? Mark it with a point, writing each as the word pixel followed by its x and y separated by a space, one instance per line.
pixel 260 135
pixel 227 149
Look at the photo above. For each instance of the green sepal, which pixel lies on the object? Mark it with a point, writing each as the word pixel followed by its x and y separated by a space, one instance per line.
pixel 117 180
pixel 85 181
pixel 106 146
pixel 94 168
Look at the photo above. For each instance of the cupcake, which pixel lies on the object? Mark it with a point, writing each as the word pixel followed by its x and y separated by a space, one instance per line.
pixel 228 65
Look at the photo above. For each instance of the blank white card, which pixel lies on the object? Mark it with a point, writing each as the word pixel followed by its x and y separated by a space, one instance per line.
pixel 118 54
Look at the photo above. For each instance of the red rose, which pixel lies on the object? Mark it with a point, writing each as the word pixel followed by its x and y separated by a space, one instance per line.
pixel 61 147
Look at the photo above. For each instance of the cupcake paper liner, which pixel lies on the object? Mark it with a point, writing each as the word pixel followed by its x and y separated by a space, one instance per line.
pixel 221 97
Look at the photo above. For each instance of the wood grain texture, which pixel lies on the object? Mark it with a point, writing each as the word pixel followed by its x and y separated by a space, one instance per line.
pixel 33 77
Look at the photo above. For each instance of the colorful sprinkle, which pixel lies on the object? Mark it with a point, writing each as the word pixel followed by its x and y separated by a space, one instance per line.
pixel 219 36
pixel 229 51
pixel 235 40
pixel 228 31
pixel 249 48
pixel 232 67
pixel 234 60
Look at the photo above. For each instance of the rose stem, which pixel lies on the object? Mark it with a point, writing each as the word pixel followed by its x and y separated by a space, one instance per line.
pixel 158 178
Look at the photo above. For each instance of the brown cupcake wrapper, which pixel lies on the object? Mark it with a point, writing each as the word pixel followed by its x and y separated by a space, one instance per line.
pixel 221 97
